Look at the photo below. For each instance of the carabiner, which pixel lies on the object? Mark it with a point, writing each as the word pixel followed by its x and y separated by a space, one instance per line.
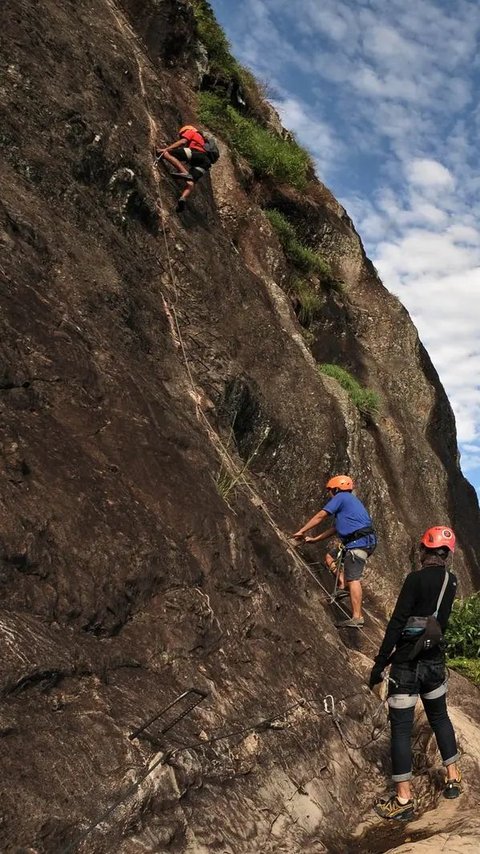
pixel 329 704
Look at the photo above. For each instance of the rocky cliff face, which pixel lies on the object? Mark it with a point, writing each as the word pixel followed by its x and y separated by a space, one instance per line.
pixel 145 361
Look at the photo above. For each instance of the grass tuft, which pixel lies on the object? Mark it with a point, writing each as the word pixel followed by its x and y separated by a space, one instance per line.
pixel 366 400
pixel 302 257
pixel 229 475
pixel 267 153
pixel 310 302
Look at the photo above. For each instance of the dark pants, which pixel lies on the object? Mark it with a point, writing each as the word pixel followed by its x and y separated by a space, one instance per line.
pixel 408 681
pixel 198 161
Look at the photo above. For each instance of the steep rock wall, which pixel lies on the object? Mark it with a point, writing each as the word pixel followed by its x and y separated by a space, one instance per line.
pixel 131 343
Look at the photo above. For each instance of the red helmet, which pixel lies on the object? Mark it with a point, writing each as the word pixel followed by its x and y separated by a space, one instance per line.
pixel 435 538
pixel 187 127
pixel 341 481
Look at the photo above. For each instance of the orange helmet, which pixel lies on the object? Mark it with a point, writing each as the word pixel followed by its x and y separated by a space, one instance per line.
pixel 435 538
pixel 187 127
pixel 341 481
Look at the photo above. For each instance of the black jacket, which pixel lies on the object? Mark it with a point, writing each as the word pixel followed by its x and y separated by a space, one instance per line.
pixel 418 598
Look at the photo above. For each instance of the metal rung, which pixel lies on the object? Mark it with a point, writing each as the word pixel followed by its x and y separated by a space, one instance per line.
pixel 195 698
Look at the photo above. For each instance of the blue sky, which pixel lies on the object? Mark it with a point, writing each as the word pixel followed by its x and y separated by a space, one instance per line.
pixel 386 97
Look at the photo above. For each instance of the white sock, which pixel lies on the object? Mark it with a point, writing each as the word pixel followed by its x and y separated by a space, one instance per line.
pixel 402 801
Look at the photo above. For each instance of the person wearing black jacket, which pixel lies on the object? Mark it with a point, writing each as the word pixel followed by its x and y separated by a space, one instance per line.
pixel 418 668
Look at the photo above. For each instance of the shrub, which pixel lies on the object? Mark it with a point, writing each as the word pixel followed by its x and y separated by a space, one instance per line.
pixel 310 302
pixel 268 154
pixel 215 40
pixel 304 258
pixel 469 667
pixel 463 633
pixel 366 400
pixel 224 65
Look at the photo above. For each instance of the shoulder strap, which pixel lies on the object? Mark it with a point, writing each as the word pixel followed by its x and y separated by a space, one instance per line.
pixel 442 593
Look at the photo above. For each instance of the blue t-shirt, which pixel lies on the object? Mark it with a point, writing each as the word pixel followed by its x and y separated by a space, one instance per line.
pixel 350 515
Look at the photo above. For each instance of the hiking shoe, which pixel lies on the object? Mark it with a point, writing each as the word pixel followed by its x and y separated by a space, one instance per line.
pixel 453 788
pixel 341 594
pixel 180 205
pixel 352 623
pixel 392 808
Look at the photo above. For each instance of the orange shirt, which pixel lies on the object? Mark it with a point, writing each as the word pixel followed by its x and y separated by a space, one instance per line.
pixel 195 140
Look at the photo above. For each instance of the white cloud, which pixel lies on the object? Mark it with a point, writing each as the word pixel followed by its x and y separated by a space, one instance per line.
pixel 437 277
pixel 382 95
pixel 426 173
pixel 313 133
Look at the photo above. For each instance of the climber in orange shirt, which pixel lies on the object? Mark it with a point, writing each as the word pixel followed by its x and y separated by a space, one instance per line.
pixel 194 156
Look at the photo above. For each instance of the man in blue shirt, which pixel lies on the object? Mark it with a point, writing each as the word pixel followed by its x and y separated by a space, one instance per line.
pixel 354 526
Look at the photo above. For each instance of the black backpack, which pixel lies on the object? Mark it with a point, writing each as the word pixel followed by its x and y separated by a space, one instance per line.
pixel 211 148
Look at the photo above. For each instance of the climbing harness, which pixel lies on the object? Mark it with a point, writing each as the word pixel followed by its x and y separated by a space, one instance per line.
pixel 300 561
pixel 230 463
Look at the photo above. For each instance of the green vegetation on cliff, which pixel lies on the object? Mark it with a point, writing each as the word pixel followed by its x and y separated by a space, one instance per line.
pixel 212 36
pixel 366 400
pixel 463 637
pixel 267 153
pixel 463 633
pixel 310 302
pixel 305 259
pixel 222 65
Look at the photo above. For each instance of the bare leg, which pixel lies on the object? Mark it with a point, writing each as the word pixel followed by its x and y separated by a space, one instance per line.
pixel 177 163
pixel 452 772
pixel 188 190
pixel 331 564
pixel 404 789
pixel 355 590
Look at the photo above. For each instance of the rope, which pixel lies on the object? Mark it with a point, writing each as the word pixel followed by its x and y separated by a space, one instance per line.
pixel 177 336
pixel 227 459
pixel 179 341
